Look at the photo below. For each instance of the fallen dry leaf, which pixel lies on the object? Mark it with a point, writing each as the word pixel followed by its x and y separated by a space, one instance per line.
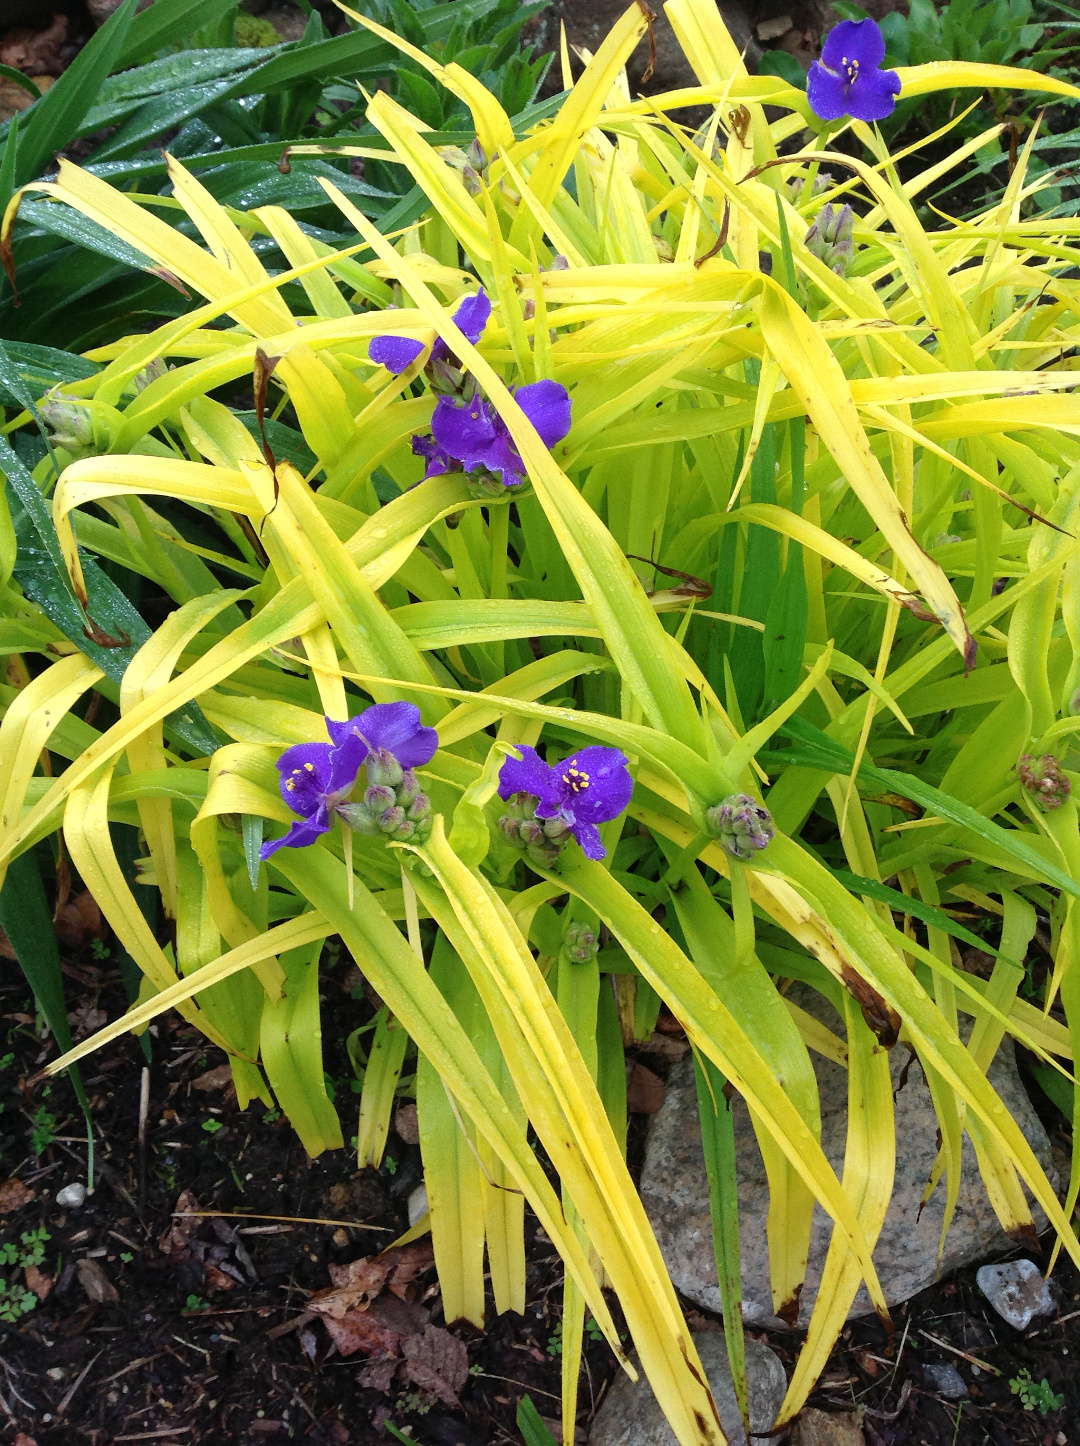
pixel 99 1288
pixel 667 1047
pixel 38 1282
pixel 378 1375
pixel 405 1123
pixel 79 921
pixel 362 1330
pixel 214 1079
pixel 22 1439
pixel 438 1362
pixel 644 1090
pixel 14 1195
pixel 175 1240
pixel 86 1019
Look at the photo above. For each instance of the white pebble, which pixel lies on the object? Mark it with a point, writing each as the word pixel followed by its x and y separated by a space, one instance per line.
pixel 418 1204
pixel 71 1197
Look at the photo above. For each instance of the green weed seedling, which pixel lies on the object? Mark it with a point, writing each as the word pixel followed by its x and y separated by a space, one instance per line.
pixel 1035 1395
pixel 15 1299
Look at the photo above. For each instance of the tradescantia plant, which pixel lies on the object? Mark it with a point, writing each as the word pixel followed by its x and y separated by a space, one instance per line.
pixel 453 715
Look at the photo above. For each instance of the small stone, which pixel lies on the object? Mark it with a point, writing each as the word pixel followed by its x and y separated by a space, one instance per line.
pixel 417 1205
pixel 1017 1291
pixel 72 1197
pixel 947 1381
pixel 773 29
pixel 630 1415
pixel 822 1428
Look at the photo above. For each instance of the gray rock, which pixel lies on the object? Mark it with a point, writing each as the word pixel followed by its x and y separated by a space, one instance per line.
pixel 1017 1291
pixel 71 1197
pixel 947 1381
pixel 630 1415
pixel 827 1428
pixel 676 1192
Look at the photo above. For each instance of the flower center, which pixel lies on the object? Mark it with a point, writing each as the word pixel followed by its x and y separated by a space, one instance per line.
pixel 851 69
pixel 575 779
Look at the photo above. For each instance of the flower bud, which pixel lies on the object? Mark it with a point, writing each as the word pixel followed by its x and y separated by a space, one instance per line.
pixel 530 831
pixel 150 373
pixel 556 828
pixel 408 788
pixel 392 819
pixel 1043 779
pixel 510 828
pixel 383 769
pixel 475 156
pixel 543 855
pixel 379 798
pixel 359 818
pixel 71 425
pixel 1074 704
pixel 582 945
pixel 419 808
pixel 831 238
pixel 797 187
pixel 742 825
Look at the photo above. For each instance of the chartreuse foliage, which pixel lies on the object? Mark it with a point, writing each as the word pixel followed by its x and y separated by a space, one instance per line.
pixel 874 458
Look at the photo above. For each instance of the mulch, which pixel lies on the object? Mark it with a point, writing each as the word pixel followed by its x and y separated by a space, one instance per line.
pixel 182 1328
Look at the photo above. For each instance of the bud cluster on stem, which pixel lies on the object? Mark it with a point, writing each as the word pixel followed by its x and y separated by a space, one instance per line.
pixel 1043 780
pixel 743 826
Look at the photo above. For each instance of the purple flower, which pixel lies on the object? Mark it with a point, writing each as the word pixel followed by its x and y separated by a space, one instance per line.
pixel 588 788
pixel 396 353
pixel 473 434
pixel 318 778
pixel 848 79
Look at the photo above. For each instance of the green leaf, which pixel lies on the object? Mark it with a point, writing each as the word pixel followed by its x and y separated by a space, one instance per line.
pixel 253 824
pixel 26 919
pixel 7 72
pixel 531 1425
pixel 817 750
pixel 57 115
pixel 718 1144
pixel 163 25
pixel 903 903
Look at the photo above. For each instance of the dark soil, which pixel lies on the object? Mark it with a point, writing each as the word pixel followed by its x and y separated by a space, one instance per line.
pixel 202 1344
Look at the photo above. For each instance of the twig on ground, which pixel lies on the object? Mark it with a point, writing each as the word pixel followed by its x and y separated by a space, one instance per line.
pixel 975 1360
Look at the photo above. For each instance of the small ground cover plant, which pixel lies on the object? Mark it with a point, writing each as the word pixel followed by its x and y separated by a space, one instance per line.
pixel 648 578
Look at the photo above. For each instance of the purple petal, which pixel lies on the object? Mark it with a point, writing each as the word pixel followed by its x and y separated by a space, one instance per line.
pixel 827 93
pixel 397 728
pixel 395 353
pixel 306 771
pixel 437 460
pixel 547 406
pixel 505 459
pixel 529 774
pixel 872 95
pixel 596 784
pixel 854 41
pixel 345 763
pixel 305 832
pixel 588 837
pixel 472 315
pixel 466 432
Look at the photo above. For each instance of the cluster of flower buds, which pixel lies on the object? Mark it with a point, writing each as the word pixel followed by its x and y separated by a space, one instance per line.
pixel 473 166
pixel 70 425
pixel 743 826
pixel 796 187
pixel 582 945
pixel 1043 780
pixel 832 237
pixel 393 803
pixel 543 839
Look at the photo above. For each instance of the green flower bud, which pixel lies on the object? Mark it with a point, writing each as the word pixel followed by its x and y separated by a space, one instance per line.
pixel 383 769
pixel 379 798
pixel 743 826
pixel 392 819
pixel 582 945
pixel 71 425
pixel 1043 780
pixel 359 818
pixel 831 238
